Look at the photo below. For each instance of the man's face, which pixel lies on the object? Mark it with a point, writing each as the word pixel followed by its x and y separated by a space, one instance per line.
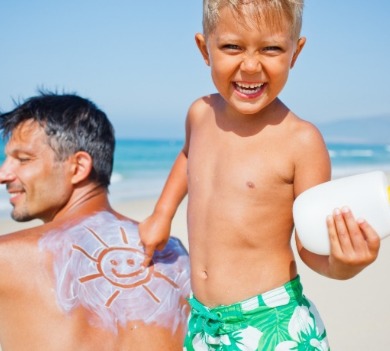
pixel 39 185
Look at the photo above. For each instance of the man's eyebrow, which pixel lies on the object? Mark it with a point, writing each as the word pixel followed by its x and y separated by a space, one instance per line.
pixel 20 150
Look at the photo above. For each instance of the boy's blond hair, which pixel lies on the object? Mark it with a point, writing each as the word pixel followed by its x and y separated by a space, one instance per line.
pixel 274 13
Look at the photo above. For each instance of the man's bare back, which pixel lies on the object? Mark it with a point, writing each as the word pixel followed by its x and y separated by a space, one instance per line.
pixel 81 286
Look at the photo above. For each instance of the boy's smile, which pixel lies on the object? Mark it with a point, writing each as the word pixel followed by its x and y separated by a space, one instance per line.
pixel 249 90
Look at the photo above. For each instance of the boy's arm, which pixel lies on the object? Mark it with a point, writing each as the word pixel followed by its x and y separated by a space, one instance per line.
pixel 154 231
pixel 353 244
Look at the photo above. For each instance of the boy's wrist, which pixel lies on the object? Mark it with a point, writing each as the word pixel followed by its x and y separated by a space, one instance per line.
pixel 165 212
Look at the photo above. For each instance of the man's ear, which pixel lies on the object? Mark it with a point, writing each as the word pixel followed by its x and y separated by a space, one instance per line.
pixel 81 166
pixel 202 46
pixel 300 44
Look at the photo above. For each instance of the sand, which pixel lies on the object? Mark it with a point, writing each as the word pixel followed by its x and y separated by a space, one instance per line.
pixel 356 312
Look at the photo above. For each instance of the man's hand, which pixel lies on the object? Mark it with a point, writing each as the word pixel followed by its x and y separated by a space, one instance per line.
pixel 354 244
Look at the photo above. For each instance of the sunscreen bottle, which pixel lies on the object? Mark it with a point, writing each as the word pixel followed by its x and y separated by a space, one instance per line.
pixel 367 195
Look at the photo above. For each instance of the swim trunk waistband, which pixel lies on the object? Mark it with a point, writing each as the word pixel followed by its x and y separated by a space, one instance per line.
pixel 276 297
pixel 234 315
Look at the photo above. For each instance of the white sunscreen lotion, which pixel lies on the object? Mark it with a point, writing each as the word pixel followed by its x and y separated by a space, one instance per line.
pixel 367 195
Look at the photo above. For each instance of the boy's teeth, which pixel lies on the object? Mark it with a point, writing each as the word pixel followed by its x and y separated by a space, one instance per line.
pixel 248 88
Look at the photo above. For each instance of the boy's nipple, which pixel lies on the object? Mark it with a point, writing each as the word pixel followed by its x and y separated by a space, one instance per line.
pixel 250 184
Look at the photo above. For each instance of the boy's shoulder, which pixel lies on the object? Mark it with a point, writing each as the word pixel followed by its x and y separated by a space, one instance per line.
pixel 204 105
pixel 304 128
pixel 204 101
pixel 302 134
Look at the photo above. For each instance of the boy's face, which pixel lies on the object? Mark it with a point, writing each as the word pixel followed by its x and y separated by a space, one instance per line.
pixel 249 65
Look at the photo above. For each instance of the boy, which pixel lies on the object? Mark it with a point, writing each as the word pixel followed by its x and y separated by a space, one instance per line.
pixel 246 157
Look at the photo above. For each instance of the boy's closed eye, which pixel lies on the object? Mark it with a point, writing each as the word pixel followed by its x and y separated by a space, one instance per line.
pixel 272 49
pixel 231 47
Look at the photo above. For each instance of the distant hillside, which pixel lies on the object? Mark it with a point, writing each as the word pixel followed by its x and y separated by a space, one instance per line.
pixel 357 130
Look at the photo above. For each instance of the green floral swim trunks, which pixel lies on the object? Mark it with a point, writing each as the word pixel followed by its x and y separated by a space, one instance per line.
pixel 282 319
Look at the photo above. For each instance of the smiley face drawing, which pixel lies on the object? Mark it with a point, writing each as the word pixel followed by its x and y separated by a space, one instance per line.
pixel 97 265
pixel 122 267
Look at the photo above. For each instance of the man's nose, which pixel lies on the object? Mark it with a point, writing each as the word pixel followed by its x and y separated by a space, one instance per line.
pixel 6 175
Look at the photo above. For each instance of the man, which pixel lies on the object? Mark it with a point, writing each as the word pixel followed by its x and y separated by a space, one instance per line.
pixel 77 281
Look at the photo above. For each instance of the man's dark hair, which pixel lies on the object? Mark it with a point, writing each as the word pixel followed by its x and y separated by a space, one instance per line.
pixel 71 124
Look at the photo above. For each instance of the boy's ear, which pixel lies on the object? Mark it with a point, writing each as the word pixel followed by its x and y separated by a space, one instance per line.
pixel 81 166
pixel 300 44
pixel 202 45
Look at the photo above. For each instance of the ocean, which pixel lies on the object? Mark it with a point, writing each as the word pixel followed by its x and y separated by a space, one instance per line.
pixel 141 166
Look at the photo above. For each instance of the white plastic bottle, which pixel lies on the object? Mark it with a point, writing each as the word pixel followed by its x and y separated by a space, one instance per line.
pixel 367 195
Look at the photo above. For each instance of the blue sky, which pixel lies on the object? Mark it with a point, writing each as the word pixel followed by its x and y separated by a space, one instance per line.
pixel 138 61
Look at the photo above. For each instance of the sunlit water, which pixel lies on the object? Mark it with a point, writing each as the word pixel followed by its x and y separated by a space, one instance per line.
pixel 141 166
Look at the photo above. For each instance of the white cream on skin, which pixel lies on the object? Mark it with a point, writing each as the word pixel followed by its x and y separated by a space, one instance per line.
pixel 97 266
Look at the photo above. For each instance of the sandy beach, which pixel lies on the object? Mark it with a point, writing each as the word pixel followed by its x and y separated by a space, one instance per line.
pixel 356 312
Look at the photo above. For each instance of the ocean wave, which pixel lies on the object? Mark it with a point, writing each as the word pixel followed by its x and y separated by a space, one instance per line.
pixel 352 153
pixel 116 177
pixel 345 171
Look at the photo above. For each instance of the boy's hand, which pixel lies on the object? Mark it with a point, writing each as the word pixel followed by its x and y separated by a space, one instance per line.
pixel 154 234
pixel 354 244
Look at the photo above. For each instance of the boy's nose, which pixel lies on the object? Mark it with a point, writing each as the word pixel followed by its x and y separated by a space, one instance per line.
pixel 251 64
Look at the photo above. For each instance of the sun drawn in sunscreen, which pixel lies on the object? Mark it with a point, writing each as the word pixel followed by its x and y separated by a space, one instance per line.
pixel 122 267
pixel 98 266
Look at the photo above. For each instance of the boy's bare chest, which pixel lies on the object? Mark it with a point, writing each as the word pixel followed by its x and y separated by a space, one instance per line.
pixel 251 163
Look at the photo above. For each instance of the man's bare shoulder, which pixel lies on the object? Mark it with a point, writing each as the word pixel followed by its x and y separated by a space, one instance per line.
pixel 18 239
pixel 19 260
